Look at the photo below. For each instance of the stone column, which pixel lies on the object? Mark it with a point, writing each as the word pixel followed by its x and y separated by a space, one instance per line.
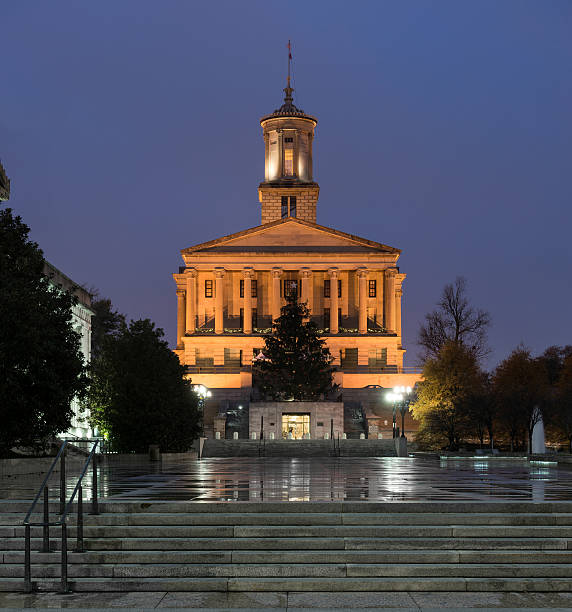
pixel 280 137
pixel 306 293
pixel 219 300
pixel 390 299
pixel 276 275
pixel 247 308
pixel 362 275
pixel 180 317
pixel 191 275
pixel 333 272
pixel 398 296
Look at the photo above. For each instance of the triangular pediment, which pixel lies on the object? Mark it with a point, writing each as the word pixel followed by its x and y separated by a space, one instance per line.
pixel 292 235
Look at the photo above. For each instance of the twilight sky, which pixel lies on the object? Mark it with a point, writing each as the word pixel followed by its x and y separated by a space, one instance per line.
pixel 130 131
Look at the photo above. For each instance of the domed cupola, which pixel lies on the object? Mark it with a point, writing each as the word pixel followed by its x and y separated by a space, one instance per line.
pixel 288 189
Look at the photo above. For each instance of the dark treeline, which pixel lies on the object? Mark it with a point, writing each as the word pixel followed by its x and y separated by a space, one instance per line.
pixel 458 403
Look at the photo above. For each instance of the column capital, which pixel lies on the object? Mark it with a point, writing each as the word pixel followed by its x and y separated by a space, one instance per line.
pixel 362 272
pixel 391 271
pixel 306 272
pixel 180 293
pixel 192 272
pixel 399 292
pixel 219 272
pixel 333 272
pixel 248 273
pixel 276 272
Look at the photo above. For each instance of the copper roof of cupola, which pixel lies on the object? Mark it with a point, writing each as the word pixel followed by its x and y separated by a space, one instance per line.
pixel 288 109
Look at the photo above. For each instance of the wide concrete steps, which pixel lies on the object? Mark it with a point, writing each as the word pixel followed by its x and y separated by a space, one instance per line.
pixel 274 547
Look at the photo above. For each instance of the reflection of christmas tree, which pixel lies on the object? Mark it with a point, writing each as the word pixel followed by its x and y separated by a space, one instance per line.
pixel 295 362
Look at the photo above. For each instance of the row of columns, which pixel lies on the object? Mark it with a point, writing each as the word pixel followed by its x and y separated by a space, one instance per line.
pixel 187 299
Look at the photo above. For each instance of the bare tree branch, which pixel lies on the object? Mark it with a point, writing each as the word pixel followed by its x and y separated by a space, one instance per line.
pixel 455 320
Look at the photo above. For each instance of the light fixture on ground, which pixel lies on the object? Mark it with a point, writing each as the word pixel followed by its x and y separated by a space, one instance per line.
pixel 400 399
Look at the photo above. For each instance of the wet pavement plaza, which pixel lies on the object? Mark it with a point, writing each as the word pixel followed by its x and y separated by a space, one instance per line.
pixel 382 479
pixel 336 479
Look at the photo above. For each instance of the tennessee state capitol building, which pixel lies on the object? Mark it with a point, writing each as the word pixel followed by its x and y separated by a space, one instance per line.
pixel 231 289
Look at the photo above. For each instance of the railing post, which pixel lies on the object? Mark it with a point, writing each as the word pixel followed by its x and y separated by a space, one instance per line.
pixel 64 568
pixel 79 545
pixel 28 587
pixel 46 530
pixel 94 498
pixel 63 482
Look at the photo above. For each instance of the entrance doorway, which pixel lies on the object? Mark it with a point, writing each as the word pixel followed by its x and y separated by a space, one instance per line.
pixel 294 426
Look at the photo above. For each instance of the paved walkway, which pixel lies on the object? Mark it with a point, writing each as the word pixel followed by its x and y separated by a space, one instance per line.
pixel 382 479
pixel 290 601
pixel 336 479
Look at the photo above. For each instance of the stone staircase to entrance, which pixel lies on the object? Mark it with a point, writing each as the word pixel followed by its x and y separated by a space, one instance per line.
pixel 304 546
pixel 299 448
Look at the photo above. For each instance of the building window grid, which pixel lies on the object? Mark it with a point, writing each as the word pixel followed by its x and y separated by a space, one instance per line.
pixel 208 288
pixel 288 206
pixel 372 288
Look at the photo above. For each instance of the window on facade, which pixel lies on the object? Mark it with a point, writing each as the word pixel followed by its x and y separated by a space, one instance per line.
pixel 292 206
pixel 284 207
pixel 232 357
pixel 377 358
pixel 208 288
pixel 289 162
pixel 253 288
pixel 349 358
pixel 328 288
pixel 204 357
pixel 372 288
pixel 289 139
pixel 326 324
pixel 290 288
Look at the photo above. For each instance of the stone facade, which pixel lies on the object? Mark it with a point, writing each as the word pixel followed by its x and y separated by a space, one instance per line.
pixel 81 321
pixel 231 289
pixel 272 418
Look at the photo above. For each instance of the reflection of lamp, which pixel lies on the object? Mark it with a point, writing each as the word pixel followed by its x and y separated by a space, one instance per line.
pixel 202 393
pixel 400 399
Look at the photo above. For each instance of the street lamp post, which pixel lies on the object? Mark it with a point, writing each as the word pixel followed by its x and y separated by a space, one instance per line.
pixel 202 393
pixel 400 398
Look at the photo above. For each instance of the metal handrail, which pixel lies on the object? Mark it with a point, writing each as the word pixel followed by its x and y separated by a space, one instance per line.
pixel 27 519
pixel 64 510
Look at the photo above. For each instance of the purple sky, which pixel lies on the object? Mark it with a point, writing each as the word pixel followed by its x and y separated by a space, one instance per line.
pixel 130 131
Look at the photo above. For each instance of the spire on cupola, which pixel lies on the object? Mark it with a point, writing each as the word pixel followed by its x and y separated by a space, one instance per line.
pixel 288 174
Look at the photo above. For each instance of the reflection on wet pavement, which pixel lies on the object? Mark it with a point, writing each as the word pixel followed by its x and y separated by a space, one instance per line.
pixel 317 479
pixel 338 479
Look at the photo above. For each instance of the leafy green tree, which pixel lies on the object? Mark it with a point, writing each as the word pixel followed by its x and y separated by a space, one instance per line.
pixel 41 364
pixel 138 394
pixel 297 362
pixel 454 320
pixel 520 387
pixel 452 383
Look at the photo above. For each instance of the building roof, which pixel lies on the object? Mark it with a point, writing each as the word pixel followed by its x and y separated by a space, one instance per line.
pixel 288 109
pixel 274 237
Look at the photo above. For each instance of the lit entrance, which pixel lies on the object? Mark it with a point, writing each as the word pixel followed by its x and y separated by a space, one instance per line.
pixel 294 426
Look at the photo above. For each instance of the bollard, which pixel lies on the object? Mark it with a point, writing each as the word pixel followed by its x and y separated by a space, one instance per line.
pixel 344 436
pixel 253 435
pixel 272 435
pixel 235 435
pixel 217 435
pixel 362 436
pixel 326 436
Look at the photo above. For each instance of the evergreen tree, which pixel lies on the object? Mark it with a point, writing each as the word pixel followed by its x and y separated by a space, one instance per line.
pixel 138 394
pixel 41 364
pixel 297 362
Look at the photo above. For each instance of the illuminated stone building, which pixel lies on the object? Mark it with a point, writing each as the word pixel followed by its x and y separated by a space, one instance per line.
pixel 230 289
